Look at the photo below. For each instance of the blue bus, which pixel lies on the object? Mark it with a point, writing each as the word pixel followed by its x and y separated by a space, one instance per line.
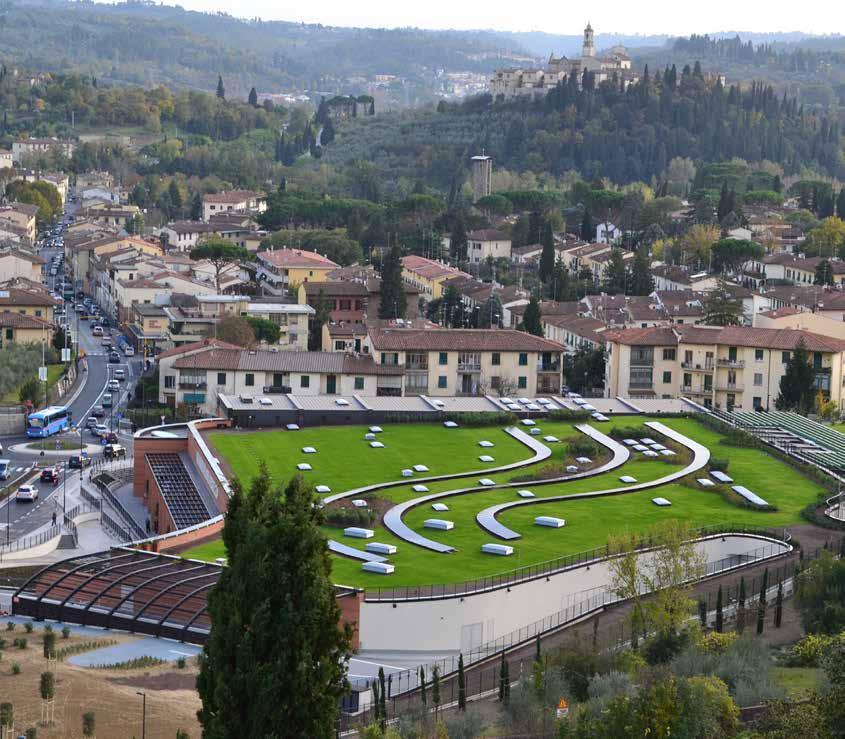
pixel 50 421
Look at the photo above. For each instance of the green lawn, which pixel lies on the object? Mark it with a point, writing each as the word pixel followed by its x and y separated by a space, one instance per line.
pixel 798 682
pixel 589 522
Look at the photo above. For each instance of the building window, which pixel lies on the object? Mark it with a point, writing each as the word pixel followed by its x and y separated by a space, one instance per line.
pixel 758 355
pixel 444 358
pixel 169 381
pixel 339 346
pixel 10 334
pixel 345 305
pixel 359 383
pixel 495 382
pixel 758 379
pixel 249 380
pixel 221 378
pixel 496 359
pixel 669 354
pixel 785 357
pixel 389 358
pixel 667 377
pixel 758 403
pixel 522 382
pixel 305 381
pixel 441 381
pixel 523 359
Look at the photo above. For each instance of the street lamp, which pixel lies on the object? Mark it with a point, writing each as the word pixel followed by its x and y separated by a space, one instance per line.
pixel 144 713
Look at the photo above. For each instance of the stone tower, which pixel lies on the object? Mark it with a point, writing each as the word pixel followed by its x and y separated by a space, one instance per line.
pixel 482 172
pixel 589 48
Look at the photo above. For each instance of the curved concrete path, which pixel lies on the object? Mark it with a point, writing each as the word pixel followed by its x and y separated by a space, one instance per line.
pixel 701 455
pixel 541 452
pixel 393 518
pixel 347 551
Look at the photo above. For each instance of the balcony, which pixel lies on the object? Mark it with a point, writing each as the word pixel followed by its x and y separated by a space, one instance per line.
pixel 732 363
pixel 548 367
pixel 417 366
pixel 698 366
pixel 469 366
pixel 187 384
pixel 730 387
pixel 689 390
pixel 276 389
pixel 639 385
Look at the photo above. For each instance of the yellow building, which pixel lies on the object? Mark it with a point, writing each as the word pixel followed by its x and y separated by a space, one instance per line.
pixel 284 270
pixel 22 329
pixel 16 263
pixel 428 275
pixel 34 303
pixel 736 367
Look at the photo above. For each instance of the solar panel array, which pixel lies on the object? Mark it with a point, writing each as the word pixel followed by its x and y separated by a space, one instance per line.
pixel 180 494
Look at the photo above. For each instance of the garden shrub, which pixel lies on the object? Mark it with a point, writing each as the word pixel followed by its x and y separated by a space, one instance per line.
pixel 720 464
pixel 714 642
pixel 560 414
pixel 582 446
pixel 807 652
pixel 16 668
pixel 627 432
pixel 661 648
pixel 350 516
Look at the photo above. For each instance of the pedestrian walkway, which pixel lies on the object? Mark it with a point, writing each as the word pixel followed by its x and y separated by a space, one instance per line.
pixel 132 504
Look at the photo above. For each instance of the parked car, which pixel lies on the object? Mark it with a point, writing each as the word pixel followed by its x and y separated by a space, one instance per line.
pixel 106 322
pixel 114 451
pixel 98 411
pixel 97 331
pixel 114 358
pixel 51 474
pixel 107 400
pixel 27 492
pixel 78 461
pixel 129 351
pixel 119 375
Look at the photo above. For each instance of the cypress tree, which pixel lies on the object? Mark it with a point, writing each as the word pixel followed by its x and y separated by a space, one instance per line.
pixel 382 692
pixel 253 98
pixel 588 228
pixel 779 606
pixel 423 696
pixel 702 613
pixel 547 256
pixel 392 303
pixel 642 281
pixel 221 91
pixel 740 607
pixel 719 614
pixel 506 679
pixel 761 603
pixel 503 666
pixel 274 609
pixel 462 686
pixel 435 688
pixel 531 320
pixel 537 652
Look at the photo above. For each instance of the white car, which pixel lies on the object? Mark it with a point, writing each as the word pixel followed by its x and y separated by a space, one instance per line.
pixel 27 492
pixel 114 385
pixel 120 375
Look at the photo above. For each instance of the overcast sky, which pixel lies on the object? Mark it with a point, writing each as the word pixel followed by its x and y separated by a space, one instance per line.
pixel 631 16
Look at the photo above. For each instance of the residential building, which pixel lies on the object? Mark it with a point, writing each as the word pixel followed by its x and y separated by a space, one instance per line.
pixel 428 275
pixel 34 146
pixel 6 159
pixel 22 215
pixel 185 235
pixel 282 271
pixel 347 301
pixel 733 367
pixel 468 361
pixel 27 302
pixel 20 263
pixel 110 215
pixel 487 243
pixel 81 249
pixel 676 277
pixel 607 233
pixel 234 200
pixel 197 373
pixel 23 329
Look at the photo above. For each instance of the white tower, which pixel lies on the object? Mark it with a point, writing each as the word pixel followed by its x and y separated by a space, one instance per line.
pixel 589 48
pixel 482 172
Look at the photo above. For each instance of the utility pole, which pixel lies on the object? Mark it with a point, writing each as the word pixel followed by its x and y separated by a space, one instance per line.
pixel 143 714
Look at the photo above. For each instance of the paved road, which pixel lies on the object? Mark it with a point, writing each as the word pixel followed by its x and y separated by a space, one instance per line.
pixel 20 518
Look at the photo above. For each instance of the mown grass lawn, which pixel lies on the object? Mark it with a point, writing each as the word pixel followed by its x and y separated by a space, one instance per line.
pixel 589 521
pixel 54 372
pixel 798 682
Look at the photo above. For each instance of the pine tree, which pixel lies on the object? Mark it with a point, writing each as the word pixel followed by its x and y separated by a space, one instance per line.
pixel 824 273
pixel 642 281
pixel 547 256
pixel 253 98
pixel 719 614
pixel 532 319
pixel 840 203
pixel 740 607
pixel 274 610
pixel 462 685
pixel 423 695
pixel 779 606
pixel 392 302
pixel 221 91
pixel 616 274
pixel 761 603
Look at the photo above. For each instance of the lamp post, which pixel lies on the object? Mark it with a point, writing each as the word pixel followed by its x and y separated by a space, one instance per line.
pixel 143 714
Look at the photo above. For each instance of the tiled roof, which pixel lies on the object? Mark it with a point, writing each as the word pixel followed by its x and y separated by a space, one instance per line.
pixel 488 234
pixel 296 258
pixel 26 208
pixel 232 196
pixel 456 339
pixel 354 289
pixel 19 320
pixel 429 269
pixel 177 350
pixel 284 361
pixel 21 298
pixel 786 310
pixel 21 254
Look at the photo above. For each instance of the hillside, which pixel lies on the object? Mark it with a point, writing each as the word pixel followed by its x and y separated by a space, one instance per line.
pixel 143 43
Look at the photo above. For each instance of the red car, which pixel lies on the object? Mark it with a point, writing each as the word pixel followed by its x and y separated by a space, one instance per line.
pixel 51 474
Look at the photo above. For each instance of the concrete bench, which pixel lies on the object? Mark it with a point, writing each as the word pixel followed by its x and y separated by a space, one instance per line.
pixel 450 424
pixel 419 488
pixel 583 460
pixel 486 444
pixel 486 482
pixel 439 524
pixel 551 439
pixel 661 502
pixel 630 442
pixel 292 427
pixel 369 437
pixel 407 473
pixel 535 431
pixel 528 422
pixel 650 453
pixel 667 452
pixel 376 445
pixel 322 489
pixel 525 494
pixel 752 498
pixel 720 476
pixel 420 468
pixel 439 507
pixel 571 468
pixel 303 466
pixel 376 429
pixel 640 448
pixel 550 522
pixel 705 483
pixel 377 547
pixel 501 550
pixel 359 503
pixel 486 458
pixel 627 479
pixel 309 450
pixel 379 568
pixel 356 532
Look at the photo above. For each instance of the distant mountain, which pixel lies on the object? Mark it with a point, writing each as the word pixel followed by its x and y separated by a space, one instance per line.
pixel 146 43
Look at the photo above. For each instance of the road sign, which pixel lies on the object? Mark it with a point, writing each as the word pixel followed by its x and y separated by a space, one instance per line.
pixel 65 354
pixel 42 374
pixel 562 708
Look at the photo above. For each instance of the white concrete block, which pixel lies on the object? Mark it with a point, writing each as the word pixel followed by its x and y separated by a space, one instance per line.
pixel 356 532
pixel 439 524
pixel 502 550
pixel 550 521
pixel 377 547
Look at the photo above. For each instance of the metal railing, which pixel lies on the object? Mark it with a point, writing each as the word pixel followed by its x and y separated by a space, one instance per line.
pixel 542 569
pixel 27 542
pixel 117 530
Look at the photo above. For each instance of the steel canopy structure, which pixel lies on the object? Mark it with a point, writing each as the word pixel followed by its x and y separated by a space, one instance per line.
pixel 128 589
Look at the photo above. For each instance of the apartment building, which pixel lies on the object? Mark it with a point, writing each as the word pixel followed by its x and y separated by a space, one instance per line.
pixel 196 374
pixel 35 146
pixel 34 303
pixel 468 361
pixel 18 328
pixel 235 200
pixel 282 271
pixel 21 215
pixel 20 263
pixel 428 275
pixel 733 367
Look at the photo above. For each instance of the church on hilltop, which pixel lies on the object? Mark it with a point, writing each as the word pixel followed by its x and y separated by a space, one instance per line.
pixel 510 83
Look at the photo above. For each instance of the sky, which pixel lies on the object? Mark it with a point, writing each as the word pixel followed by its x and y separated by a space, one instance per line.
pixel 553 16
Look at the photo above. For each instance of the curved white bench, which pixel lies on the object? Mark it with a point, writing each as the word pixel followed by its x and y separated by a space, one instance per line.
pixel 701 455
pixel 393 518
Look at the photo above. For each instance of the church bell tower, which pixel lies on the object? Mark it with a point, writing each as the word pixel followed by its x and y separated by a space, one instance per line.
pixel 589 49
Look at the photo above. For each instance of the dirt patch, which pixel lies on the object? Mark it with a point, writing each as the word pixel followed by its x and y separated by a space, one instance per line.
pixel 110 694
